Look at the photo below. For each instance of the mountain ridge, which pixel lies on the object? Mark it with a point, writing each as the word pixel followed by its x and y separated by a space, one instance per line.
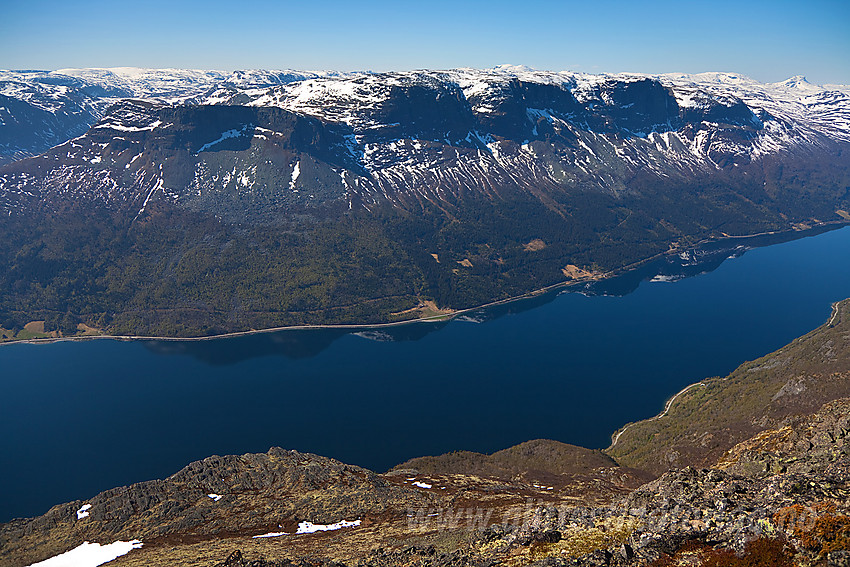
pixel 180 86
pixel 405 188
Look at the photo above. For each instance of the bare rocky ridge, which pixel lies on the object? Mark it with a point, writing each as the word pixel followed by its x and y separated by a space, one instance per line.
pixel 258 493
pixel 792 512
pixel 791 485
pixel 531 457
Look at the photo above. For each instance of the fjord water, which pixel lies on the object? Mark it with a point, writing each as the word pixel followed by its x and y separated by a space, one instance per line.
pixel 81 417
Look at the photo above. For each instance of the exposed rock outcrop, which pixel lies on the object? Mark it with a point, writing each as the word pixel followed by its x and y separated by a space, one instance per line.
pixel 789 486
pixel 218 496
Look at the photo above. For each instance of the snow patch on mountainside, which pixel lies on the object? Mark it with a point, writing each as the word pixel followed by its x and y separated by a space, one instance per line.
pixel 233 133
pixel 90 554
pixel 296 172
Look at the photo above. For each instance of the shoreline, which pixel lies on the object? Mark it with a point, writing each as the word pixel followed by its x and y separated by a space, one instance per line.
pixel 616 435
pixel 441 317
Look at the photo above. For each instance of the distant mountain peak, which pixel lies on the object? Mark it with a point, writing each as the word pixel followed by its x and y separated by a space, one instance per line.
pixel 798 82
pixel 509 68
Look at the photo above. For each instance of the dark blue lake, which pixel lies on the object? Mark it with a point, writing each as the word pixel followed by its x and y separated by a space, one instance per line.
pixel 80 417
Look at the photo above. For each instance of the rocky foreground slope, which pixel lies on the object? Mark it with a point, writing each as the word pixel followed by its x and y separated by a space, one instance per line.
pixel 771 490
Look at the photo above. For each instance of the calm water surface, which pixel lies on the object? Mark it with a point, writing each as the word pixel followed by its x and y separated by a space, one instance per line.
pixel 80 417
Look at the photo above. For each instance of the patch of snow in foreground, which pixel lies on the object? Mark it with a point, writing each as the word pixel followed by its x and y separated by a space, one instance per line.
pixel 215 497
pixel 83 512
pixel 90 554
pixel 310 527
pixel 421 484
pixel 270 534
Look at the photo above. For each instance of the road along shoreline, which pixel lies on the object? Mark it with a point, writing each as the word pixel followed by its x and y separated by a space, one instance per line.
pixel 448 316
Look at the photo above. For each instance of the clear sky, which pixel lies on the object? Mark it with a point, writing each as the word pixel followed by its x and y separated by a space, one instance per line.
pixel 769 40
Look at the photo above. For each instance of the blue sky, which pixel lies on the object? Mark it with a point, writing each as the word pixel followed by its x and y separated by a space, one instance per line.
pixel 767 40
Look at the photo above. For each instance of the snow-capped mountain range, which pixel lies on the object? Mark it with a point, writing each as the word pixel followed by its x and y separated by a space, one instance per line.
pixel 409 136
